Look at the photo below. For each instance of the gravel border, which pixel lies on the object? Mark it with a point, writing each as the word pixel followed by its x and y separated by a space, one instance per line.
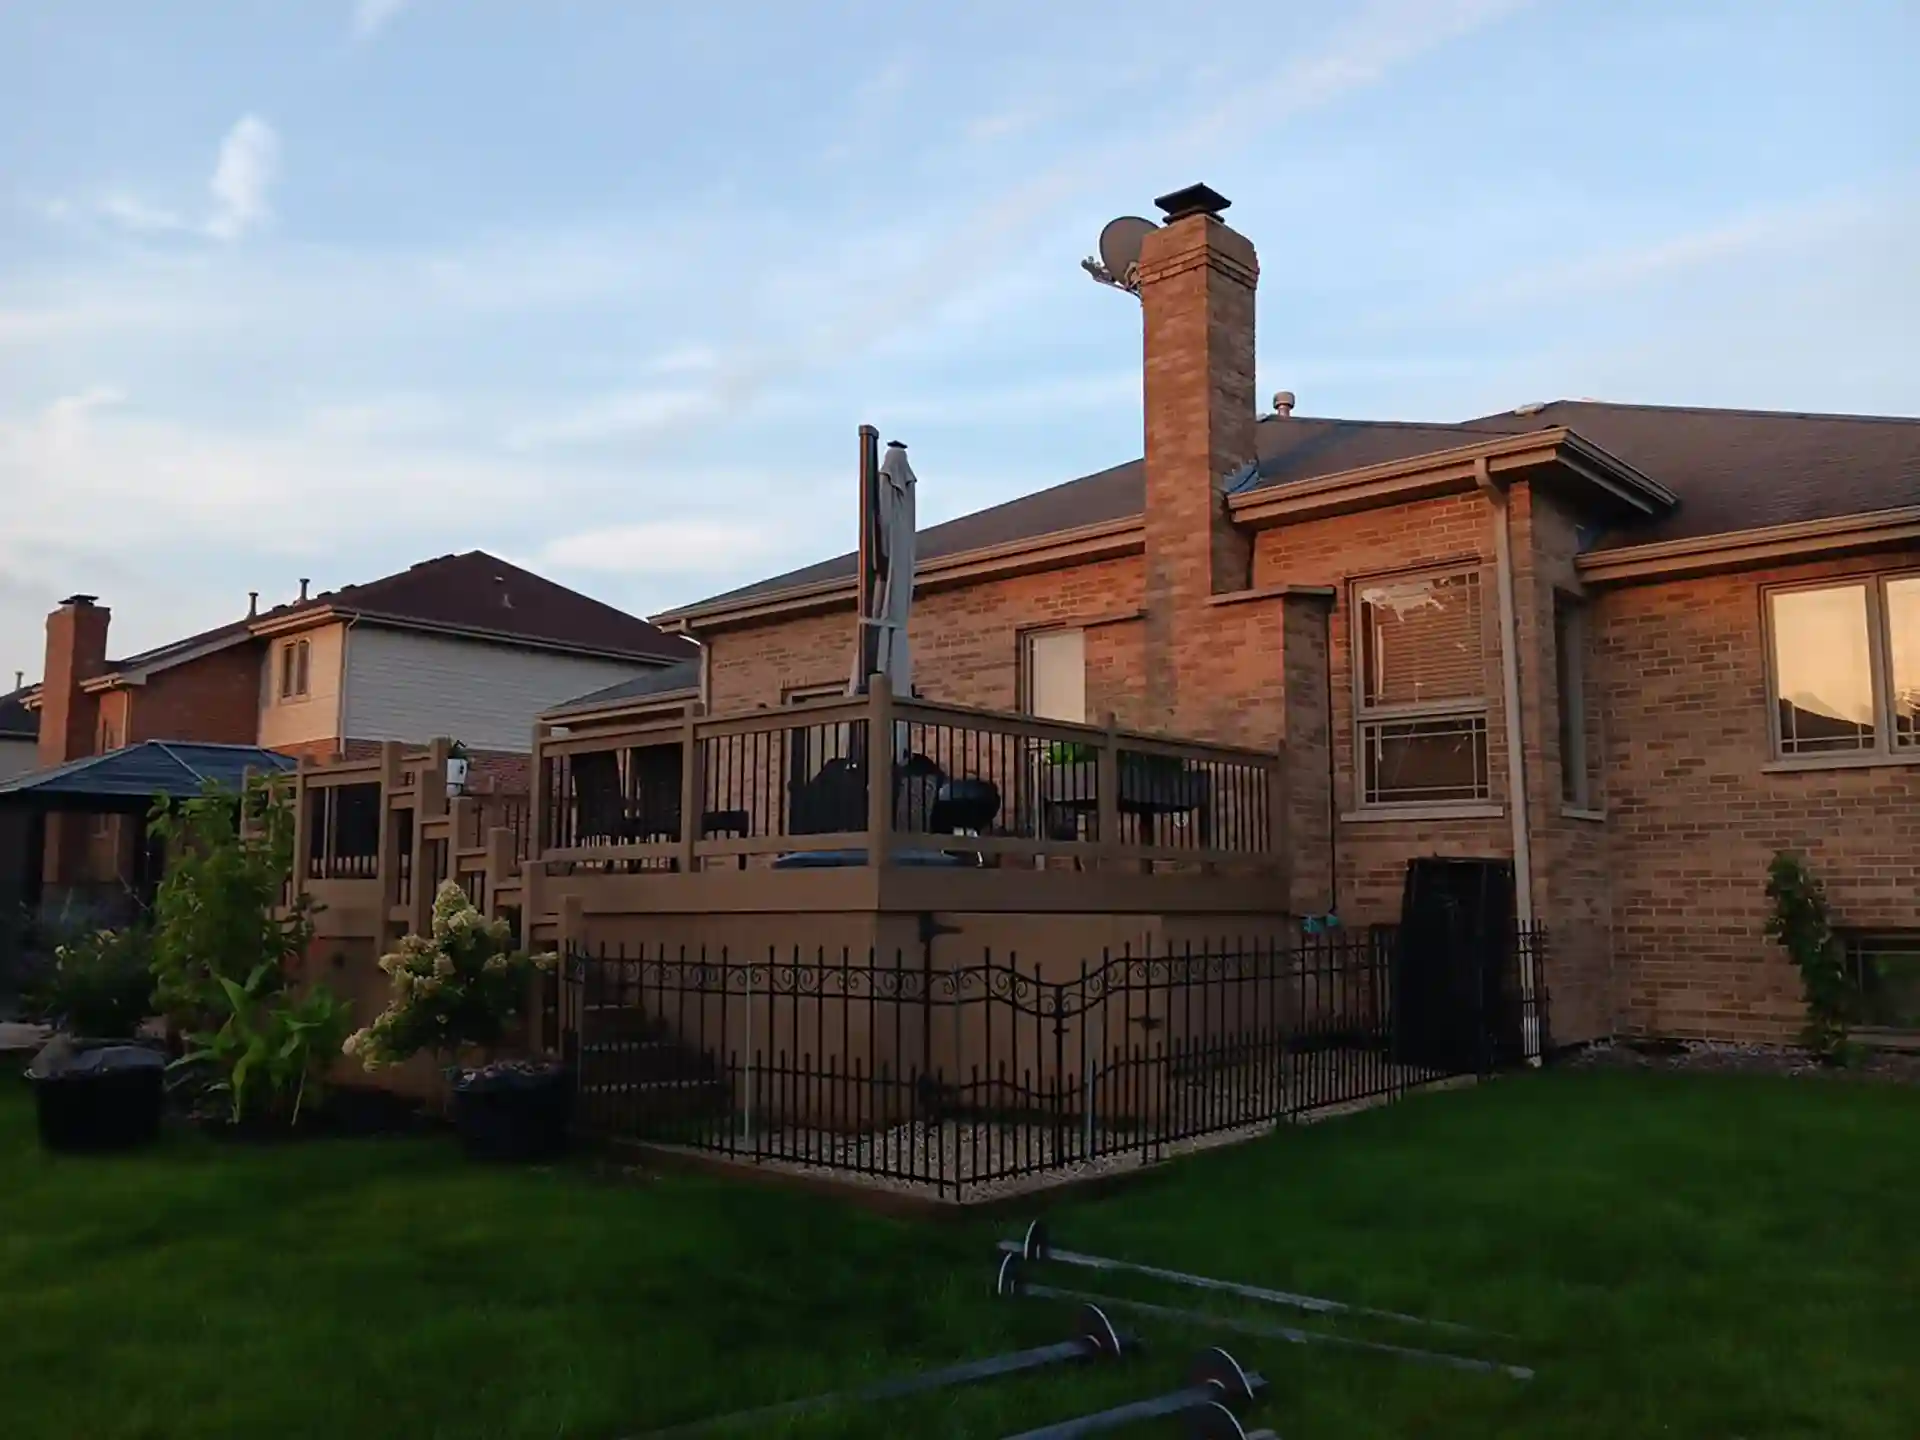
pixel 1723 1057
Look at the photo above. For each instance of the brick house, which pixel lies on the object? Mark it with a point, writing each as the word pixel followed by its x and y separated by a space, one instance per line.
pixel 1632 650
pixel 466 645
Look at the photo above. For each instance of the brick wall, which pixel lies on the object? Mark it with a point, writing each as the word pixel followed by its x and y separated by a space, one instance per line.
pixel 215 699
pixel 965 643
pixel 507 772
pixel 1694 815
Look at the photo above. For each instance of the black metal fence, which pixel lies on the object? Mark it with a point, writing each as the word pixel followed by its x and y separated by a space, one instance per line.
pixel 918 1072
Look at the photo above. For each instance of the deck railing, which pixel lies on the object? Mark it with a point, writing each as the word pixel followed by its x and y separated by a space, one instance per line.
pixel 956 785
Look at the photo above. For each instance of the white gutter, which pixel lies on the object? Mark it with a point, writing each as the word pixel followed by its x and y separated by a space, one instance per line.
pixel 1516 743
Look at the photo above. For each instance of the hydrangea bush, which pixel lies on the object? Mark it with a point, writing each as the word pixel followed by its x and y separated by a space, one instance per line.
pixel 460 988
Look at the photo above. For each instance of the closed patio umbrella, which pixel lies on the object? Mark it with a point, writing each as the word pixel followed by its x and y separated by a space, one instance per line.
pixel 891 559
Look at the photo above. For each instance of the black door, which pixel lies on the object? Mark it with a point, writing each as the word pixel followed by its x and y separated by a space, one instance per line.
pixel 1456 985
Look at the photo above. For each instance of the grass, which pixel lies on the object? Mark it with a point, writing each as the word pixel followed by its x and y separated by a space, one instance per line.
pixel 1683 1255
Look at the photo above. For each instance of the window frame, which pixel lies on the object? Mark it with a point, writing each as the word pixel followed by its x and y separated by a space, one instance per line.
pixel 296 676
pixel 1025 677
pixel 1367 717
pixel 1570 634
pixel 1884 750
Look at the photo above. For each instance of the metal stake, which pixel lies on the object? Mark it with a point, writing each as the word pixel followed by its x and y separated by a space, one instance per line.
pixel 1093 1338
pixel 1035 1246
pixel 1012 1282
pixel 1215 1379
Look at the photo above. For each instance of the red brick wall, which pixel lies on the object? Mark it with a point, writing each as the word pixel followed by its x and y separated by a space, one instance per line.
pixel 508 772
pixel 1694 815
pixel 215 699
pixel 966 643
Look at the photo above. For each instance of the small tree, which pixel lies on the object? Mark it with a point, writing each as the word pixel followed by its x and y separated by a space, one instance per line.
pixel 218 912
pixel 461 988
pixel 1800 923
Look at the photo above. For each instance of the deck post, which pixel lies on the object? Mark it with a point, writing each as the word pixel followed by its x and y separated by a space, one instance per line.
pixel 386 863
pixel 1107 794
pixel 692 790
pixel 880 763
pixel 302 823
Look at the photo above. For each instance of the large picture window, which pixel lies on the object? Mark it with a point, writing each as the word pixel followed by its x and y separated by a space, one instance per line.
pixel 1421 691
pixel 1845 669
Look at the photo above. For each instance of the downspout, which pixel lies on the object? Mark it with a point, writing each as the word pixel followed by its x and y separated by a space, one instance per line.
pixel 340 700
pixel 1517 796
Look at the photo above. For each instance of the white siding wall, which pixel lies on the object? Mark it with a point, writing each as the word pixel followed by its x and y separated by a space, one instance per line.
pixel 17 757
pixel 315 715
pixel 403 685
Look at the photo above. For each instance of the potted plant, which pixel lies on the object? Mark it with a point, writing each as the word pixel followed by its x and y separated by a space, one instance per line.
pixel 457 994
pixel 95 1087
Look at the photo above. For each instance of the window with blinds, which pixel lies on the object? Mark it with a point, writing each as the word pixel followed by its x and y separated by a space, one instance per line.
pixel 1421 691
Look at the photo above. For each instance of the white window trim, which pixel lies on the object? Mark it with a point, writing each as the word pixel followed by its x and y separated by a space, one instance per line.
pixel 1365 715
pixel 1025 676
pixel 1879 665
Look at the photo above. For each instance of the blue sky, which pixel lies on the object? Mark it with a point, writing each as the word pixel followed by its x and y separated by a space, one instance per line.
pixel 325 288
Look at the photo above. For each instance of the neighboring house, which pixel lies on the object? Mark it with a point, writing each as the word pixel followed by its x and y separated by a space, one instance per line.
pixel 19 735
pixel 464 645
pixel 1687 638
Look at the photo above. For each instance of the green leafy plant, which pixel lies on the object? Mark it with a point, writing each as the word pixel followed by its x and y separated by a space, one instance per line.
pixel 1070 752
pixel 218 912
pixel 1801 924
pixel 460 988
pixel 271 1052
pixel 100 984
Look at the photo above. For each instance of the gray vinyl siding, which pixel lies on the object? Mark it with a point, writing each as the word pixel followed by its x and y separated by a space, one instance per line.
pixel 412 687
pixel 18 756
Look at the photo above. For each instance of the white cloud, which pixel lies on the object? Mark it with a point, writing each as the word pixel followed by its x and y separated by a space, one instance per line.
pixel 624 415
pixel 132 213
pixel 248 165
pixel 682 547
pixel 370 17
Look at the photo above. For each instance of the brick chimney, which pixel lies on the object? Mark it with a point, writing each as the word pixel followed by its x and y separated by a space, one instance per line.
pixel 1197 279
pixel 76 651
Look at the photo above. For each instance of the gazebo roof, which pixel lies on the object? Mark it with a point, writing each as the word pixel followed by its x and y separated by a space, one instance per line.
pixel 130 778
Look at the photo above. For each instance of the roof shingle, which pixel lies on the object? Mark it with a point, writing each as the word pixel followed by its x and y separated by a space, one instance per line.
pixel 1732 469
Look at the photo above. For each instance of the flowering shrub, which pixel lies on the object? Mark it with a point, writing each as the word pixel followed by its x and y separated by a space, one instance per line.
pixel 462 986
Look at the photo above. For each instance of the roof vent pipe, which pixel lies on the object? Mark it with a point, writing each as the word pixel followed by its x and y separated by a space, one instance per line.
pixel 253 603
pixel 304 582
pixel 1283 403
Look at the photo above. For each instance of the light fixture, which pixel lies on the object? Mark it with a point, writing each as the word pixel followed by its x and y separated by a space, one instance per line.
pixel 456 769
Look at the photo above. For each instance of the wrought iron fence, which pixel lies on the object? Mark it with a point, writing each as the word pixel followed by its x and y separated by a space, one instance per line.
pixel 953 1078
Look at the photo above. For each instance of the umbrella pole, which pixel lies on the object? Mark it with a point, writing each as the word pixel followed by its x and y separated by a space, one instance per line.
pixel 866 654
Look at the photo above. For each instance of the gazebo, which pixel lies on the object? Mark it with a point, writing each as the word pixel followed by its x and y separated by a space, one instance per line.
pixel 120 782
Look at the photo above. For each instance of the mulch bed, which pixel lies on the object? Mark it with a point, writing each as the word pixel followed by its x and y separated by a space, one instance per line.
pixel 1707 1056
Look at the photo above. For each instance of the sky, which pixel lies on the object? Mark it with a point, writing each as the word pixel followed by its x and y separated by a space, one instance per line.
pixel 321 289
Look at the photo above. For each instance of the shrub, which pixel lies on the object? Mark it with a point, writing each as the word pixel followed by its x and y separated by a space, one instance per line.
pixel 217 912
pixel 100 985
pixel 462 987
pixel 271 1052
pixel 1800 923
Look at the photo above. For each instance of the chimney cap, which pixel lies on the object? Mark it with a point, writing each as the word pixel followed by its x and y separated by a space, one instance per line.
pixel 80 602
pixel 1193 200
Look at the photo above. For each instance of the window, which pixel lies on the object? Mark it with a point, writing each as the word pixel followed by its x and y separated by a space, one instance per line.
pixel 1054 681
pixel 1420 663
pixel 1885 970
pixel 1846 669
pixel 1570 679
pixel 293 670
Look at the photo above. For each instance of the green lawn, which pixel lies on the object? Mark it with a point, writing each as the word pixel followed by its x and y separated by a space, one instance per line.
pixel 1684 1256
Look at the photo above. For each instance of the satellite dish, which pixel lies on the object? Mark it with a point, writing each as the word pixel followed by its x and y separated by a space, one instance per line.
pixel 1119 262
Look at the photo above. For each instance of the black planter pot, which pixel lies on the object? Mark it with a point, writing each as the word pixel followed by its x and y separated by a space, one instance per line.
pixel 513 1113
pixel 106 1097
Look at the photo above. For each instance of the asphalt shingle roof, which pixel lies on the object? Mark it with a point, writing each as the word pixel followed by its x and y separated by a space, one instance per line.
pixel 1732 469
pixel 174 768
pixel 683 675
